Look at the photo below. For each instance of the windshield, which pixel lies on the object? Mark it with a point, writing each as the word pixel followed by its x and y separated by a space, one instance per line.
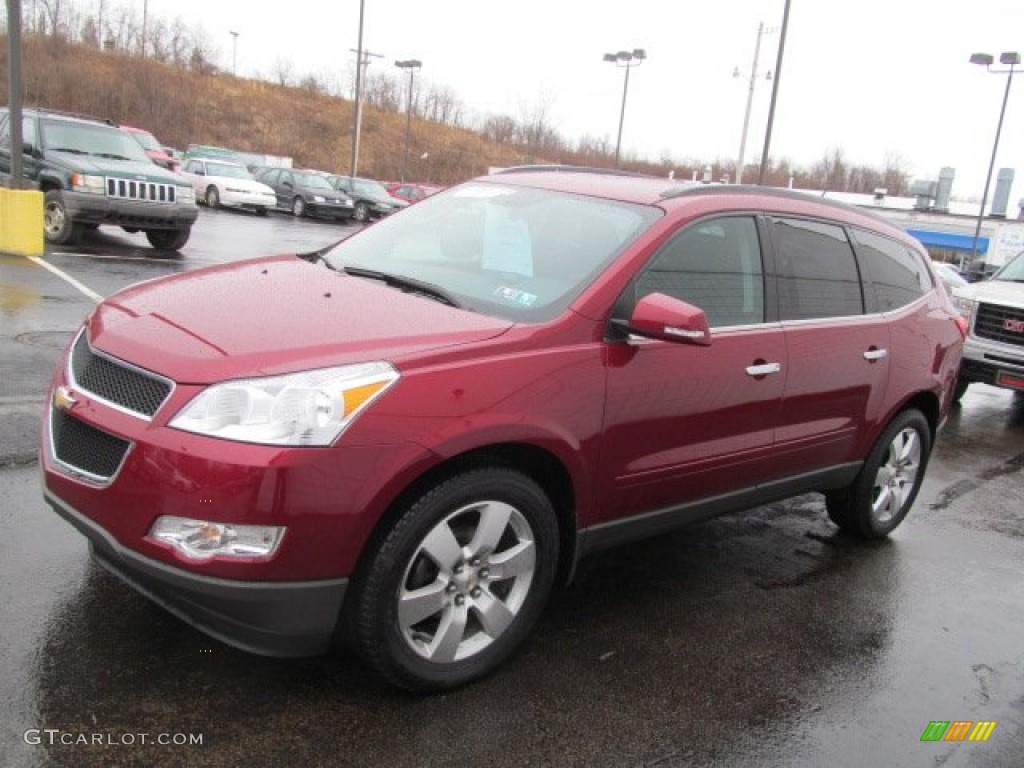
pixel 1013 271
pixel 88 139
pixel 369 188
pixel 313 181
pixel 147 140
pixel 227 169
pixel 515 253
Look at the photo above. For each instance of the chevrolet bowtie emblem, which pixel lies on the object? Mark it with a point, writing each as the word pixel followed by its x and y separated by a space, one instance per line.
pixel 62 399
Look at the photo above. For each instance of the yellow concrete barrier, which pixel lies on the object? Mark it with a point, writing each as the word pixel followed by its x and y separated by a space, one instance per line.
pixel 21 221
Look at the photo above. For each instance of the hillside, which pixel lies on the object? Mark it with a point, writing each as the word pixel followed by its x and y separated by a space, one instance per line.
pixel 183 98
pixel 182 107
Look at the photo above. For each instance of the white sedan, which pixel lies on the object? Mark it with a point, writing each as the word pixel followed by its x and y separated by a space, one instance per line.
pixel 222 183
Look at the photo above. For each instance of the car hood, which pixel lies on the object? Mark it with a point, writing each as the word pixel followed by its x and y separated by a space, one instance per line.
pixel 271 316
pixel 327 194
pixel 1001 291
pixel 130 169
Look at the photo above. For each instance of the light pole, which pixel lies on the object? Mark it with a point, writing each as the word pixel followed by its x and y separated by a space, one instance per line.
pixel 412 65
pixel 1012 59
pixel 627 60
pixel 750 101
pixel 775 94
pixel 234 52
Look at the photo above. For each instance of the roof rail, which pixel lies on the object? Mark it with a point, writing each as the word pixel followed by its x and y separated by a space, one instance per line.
pixel 76 115
pixel 751 189
pixel 556 168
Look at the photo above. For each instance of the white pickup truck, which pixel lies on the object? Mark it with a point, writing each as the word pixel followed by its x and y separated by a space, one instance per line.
pixel 994 308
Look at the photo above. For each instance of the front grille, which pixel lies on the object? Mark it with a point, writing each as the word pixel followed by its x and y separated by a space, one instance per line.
pixel 1002 324
pixel 84 448
pixel 116 382
pixel 128 189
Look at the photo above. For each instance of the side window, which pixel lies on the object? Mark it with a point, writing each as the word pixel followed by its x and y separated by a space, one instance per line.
pixel 714 265
pixel 817 271
pixel 194 166
pixel 270 177
pixel 897 275
pixel 5 131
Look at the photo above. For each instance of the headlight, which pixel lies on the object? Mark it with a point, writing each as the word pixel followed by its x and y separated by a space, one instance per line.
pixel 964 305
pixel 94 185
pixel 186 195
pixel 202 539
pixel 308 408
pixel 318 198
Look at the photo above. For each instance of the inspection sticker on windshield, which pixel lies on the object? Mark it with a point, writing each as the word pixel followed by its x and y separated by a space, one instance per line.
pixel 515 296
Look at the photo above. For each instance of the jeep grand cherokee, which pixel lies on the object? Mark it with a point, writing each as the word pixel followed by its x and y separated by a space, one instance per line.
pixel 93 173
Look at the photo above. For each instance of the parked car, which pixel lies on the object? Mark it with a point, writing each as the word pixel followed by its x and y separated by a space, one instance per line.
pixel 159 154
pixel 306 193
pixel 994 310
pixel 371 199
pixel 415 434
pixel 412 193
pixel 220 183
pixel 949 275
pixel 93 173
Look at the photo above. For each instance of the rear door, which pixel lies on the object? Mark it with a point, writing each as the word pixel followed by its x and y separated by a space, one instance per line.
pixel 839 356
pixel 687 422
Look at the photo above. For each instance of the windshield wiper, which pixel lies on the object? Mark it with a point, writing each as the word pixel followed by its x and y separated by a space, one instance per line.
pixel 72 150
pixel 407 284
pixel 111 156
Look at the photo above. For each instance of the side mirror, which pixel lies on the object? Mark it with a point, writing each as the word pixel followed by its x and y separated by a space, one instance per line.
pixel 657 316
pixel 28 149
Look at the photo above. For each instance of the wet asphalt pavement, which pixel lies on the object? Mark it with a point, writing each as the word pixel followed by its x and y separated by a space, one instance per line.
pixel 761 639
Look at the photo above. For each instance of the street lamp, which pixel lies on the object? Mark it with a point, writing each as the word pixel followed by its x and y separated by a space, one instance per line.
pixel 626 60
pixel 234 52
pixel 412 65
pixel 1012 59
pixel 750 100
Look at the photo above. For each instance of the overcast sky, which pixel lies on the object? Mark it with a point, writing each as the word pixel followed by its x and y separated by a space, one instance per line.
pixel 873 77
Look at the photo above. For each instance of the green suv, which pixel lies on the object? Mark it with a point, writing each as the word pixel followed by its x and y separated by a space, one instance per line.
pixel 93 173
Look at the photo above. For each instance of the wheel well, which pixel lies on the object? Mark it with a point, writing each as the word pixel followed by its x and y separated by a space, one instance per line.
pixel 543 467
pixel 928 404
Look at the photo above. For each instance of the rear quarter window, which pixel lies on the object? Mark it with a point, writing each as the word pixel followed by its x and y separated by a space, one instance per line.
pixel 895 275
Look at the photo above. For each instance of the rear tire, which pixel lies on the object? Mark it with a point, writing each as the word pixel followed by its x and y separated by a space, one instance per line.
pixel 881 495
pixel 168 239
pixel 58 228
pixel 459 580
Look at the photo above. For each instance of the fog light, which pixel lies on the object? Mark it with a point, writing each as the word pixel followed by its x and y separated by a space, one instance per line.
pixel 203 539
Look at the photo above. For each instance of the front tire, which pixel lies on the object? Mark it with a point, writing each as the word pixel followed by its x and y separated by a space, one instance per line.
pixel 168 239
pixel 299 207
pixel 362 213
pixel 58 228
pixel 885 488
pixel 455 586
pixel 213 196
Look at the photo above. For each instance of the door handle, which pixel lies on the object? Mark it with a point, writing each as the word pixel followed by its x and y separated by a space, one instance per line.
pixel 876 354
pixel 763 369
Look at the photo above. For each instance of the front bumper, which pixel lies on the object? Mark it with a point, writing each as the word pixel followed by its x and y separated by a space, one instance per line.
pixel 134 214
pixel 1001 365
pixel 237 199
pixel 331 210
pixel 287 619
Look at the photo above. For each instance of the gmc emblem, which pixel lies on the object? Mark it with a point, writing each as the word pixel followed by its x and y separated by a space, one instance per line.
pixel 1017 326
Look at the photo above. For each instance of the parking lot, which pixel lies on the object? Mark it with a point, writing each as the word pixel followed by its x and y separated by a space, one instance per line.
pixel 763 638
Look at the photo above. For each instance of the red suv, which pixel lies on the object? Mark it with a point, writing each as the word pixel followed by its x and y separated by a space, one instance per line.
pixel 409 438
